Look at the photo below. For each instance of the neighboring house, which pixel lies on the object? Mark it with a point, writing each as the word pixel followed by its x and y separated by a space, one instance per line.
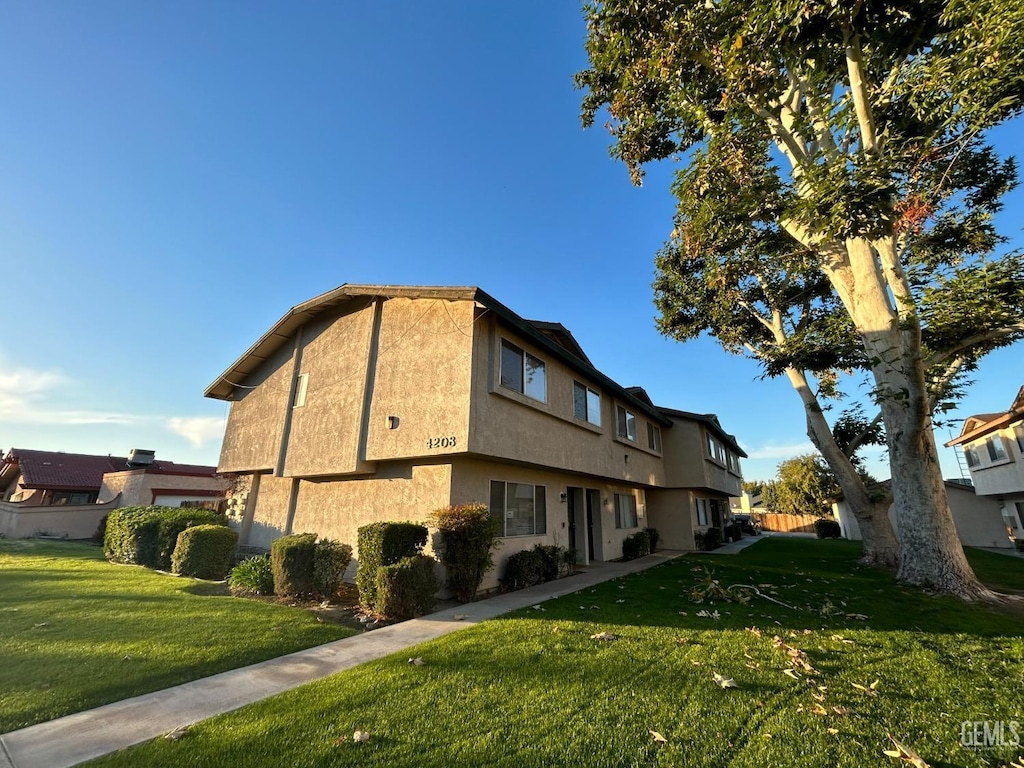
pixel 386 403
pixel 67 494
pixel 993 445
pixel 978 520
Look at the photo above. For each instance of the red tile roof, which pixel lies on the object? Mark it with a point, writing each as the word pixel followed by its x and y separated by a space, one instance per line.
pixel 77 471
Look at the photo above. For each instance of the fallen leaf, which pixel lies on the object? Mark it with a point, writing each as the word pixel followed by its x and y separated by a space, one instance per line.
pixel 177 733
pixel 833 731
pixel 725 682
pixel 360 736
pixel 905 753
pixel 658 737
pixel 417 661
pixel 792 673
pixel 840 710
pixel 457 617
pixel 604 636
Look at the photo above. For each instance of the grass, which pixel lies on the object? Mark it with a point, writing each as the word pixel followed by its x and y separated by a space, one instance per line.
pixel 77 632
pixel 534 689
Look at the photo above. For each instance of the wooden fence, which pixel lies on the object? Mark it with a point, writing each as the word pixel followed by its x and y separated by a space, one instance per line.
pixel 770 521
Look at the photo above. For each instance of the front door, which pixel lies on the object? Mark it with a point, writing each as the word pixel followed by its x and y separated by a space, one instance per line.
pixel 593 521
pixel 570 499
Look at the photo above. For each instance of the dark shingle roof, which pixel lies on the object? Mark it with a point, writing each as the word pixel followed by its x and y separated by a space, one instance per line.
pixel 79 471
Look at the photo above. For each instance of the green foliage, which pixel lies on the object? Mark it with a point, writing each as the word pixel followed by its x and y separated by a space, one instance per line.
pixel 101 531
pixel 637 545
pixel 733 532
pixel 827 528
pixel 654 536
pixel 147 535
pixel 204 551
pixel 805 486
pixel 330 561
pixel 708 539
pixel 467 533
pixel 535 566
pixel 408 588
pixel 384 543
pixel 253 576
pixel 292 558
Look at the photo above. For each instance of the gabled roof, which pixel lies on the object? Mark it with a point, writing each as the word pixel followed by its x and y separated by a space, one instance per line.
pixel 54 470
pixel 710 421
pixel 981 424
pixel 554 338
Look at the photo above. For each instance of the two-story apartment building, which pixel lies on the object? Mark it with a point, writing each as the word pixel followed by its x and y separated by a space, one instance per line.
pixel 385 403
pixel 993 445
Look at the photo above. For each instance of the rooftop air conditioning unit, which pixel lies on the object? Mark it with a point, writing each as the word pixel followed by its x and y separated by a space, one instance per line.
pixel 138 457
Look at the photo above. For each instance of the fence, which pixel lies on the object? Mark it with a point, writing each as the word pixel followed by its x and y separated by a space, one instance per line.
pixel 770 521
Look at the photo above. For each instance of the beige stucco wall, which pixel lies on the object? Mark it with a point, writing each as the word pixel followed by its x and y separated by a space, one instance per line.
pixel 1006 476
pixel 509 425
pixel 687 464
pixel 671 512
pixel 70 522
pixel 270 516
pixel 422 377
pixel 136 486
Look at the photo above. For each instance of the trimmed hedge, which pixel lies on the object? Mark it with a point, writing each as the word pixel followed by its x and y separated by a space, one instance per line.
pixel 637 545
pixel 535 566
pixel 827 529
pixel 733 532
pixel 467 534
pixel 330 561
pixel 708 540
pixel 291 558
pixel 254 576
pixel 384 543
pixel 408 588
pixel 204 551
pixel 147 535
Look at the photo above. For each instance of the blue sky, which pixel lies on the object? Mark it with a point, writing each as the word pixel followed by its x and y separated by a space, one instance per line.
pixel 175 176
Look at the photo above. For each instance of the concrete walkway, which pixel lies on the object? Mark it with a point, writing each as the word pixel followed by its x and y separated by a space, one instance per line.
pixel 735 546
pixel 71 740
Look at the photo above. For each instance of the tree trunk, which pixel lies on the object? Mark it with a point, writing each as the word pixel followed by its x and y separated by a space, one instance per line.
pixel 880 545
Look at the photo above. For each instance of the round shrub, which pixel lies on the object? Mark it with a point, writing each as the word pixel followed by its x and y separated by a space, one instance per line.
pixel 204 551
pixel 827 529
pixel 254 576
pixel 330 561
pixel 523 569
pixel 637 545
pixel 384 543
pixel 292 560
pixel 467 534
pixel 408 588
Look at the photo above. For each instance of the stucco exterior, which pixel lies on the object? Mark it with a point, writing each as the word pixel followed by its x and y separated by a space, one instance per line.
pixel 386 403
pixel 139 487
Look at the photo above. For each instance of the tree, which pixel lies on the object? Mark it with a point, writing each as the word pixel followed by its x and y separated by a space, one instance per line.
pixel 838 140
pixel 805 486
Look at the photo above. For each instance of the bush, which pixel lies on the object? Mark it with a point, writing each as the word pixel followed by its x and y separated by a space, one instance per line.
pixel 147 535
pixel 254 576
pixel 174 520
pixel 708 540
pixel 537 565
pixel 330 561
pixel 101 531
pixel 733 532
pixel 827 529
pixel 654 536
pixel 384 544
pixel 291 558
pixel 408 588
pixel 467 535
pixel 637 545
pixel 204 551
pixel 1019 544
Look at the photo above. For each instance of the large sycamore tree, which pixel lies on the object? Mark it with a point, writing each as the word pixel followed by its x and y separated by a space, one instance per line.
pixel 832 159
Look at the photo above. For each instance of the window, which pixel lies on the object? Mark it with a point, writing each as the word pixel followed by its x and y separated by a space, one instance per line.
pixel 702 511
pixel 625 510
pixel 654 437
pixel 301 383
pixel 520 508
pixel 626 423
pixel 972 457
pixel 522 372
pixel 716 450
pixel 586 404
pixel 1019 433
pixel 996 450
pixel 733 461
pixel 62 498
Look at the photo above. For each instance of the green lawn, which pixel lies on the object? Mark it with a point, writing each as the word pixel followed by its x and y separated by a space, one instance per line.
pixel 533 688
pixel 77 632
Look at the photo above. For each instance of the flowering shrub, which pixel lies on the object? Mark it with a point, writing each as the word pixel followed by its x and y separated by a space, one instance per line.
pixel 467 535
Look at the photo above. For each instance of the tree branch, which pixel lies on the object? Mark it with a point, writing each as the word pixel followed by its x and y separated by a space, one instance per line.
pixel 994 334
pixel 859 439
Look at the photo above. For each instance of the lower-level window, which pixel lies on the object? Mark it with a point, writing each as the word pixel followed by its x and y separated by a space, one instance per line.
pixel 520 508
pixel 702 512
pixel 625 510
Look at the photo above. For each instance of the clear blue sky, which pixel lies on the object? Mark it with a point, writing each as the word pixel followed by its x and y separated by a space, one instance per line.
pixel 175 176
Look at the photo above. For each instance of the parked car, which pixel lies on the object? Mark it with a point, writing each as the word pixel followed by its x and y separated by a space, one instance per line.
pixel 747 524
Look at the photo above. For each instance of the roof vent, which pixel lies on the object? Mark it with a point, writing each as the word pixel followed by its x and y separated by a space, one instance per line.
pixel 138 457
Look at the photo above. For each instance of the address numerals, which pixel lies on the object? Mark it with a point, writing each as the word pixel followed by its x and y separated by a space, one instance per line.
pixel 441 442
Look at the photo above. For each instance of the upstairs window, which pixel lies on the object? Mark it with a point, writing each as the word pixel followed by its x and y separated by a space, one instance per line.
pixel 654 437
pixel 1019 433
pixel 522 372
pixel 702 512
pixel 301 384
pixel 519 508
pixel 972 457
pixel 996 451
pixel 716 450
pixel 626 423
pixel 625 510
pixel 586 404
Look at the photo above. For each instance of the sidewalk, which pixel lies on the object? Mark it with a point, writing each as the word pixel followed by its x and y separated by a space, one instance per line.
pixel 73 739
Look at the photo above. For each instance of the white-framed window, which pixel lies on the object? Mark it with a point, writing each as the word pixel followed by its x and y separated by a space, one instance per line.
pixel 996 449
pixel 654 437
pixel 625 510
pixel 520 507
pixel 586 404
pixel 972 456
pixel 716 450
pixel 522 372
pixel 1018 432
pixel 702 512
pixel 625 423
pixel 733 461
pixel 301 384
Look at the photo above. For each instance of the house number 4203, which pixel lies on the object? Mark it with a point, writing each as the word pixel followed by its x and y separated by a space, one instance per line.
pixel 441 442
